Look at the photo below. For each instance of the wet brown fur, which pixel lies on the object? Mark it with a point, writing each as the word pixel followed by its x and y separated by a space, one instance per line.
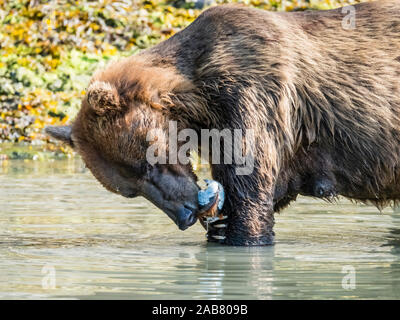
pixel 323 101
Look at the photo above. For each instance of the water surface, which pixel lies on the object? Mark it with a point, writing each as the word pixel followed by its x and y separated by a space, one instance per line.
pixel 63 236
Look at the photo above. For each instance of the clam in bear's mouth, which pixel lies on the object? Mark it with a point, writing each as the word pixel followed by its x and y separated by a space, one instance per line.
pixel 210 209
pixel 211 201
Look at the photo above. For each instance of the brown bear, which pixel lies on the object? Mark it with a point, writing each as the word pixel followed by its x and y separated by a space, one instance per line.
pixel 320 91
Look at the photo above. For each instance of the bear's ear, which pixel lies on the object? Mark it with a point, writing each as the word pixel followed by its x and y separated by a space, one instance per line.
pixel 62 133
pixel 103 98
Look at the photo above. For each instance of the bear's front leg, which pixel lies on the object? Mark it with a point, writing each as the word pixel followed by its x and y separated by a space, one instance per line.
pixel 247 224
pixel 249 213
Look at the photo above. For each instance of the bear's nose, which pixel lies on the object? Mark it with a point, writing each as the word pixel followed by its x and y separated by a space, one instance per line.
pixel 185 218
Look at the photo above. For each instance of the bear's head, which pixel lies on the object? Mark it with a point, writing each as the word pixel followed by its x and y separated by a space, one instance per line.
pixel 123 103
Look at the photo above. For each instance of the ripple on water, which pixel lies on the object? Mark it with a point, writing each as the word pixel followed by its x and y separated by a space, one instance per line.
pixel 55 215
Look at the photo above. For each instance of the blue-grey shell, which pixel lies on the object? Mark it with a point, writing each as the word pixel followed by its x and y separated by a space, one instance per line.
pixel 206 195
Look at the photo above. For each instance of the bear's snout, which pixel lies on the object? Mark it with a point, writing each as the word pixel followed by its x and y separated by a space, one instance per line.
pixel 185 218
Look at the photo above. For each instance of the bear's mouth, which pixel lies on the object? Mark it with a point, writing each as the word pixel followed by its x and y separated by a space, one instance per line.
pixel 181 210
pixel 184 216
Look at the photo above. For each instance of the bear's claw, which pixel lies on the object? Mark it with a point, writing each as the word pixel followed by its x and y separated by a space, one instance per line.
pixel 216 229
pixel 222 225
pixel 219 237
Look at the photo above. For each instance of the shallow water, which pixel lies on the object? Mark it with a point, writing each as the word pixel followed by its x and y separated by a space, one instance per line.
pixel 63 236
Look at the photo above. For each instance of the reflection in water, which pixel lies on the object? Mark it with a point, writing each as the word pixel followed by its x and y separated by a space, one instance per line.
pixel 55 214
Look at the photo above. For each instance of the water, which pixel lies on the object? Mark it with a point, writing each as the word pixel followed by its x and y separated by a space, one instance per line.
pixel 63 236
